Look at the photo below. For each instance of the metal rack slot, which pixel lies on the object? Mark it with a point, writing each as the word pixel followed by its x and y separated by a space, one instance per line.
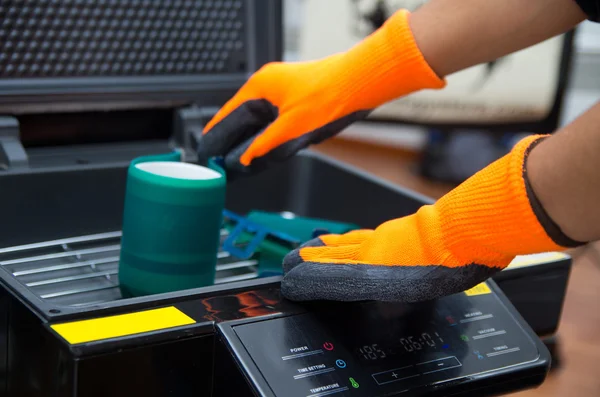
pixel 61 255
pixel 232 279
pixel 72 278
pixel 83 270
pixel 236 265
pixel 73 240
pixel 75 291
pixel 92 264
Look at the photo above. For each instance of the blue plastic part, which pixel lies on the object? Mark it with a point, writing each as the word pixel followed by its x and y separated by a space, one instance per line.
pixel 258 231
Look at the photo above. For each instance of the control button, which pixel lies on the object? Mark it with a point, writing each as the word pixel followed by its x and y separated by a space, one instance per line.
pixel 475 316
pixel 488 332
pixel 327 390
pixel 340 363
pixel 503 350
pixel 354 383
pixel 328 346
pixel 313 370
pixel 395 375
pixel 438 365
pixel 303 354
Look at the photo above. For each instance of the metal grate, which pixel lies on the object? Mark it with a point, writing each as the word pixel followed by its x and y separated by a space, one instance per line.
pixel 110 38
pixel 82 271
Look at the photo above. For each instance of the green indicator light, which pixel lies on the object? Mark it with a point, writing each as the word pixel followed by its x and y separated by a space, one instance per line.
pixel 354 383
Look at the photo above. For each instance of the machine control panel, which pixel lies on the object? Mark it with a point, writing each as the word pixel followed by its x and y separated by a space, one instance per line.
pixel 380 349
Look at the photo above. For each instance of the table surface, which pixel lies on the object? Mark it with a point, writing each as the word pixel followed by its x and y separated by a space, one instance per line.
pixel 579 373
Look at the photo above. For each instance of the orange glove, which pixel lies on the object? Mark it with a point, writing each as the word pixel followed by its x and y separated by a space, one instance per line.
pixel 468 235
pixel 285 107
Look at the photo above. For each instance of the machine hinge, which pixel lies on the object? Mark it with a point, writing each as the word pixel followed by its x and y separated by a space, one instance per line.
pixel 12 152
pixel 188 125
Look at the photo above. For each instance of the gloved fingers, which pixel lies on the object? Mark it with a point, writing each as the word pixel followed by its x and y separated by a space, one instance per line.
pixel 282 139
pixel 310 281
pixel 323 254
pixel 247 93
pixel 356 236
pixel 277 133
pixel 326 254
pixel 348 241
pixel 297 131
pixel 349 238
pixel 315 242
pixel 240 159
pixel 234 124
pixel 293 258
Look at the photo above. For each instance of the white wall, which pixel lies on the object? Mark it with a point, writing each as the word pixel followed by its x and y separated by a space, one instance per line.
pixel 584 89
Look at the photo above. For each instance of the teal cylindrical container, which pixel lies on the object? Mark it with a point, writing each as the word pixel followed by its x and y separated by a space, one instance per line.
pixel 171 225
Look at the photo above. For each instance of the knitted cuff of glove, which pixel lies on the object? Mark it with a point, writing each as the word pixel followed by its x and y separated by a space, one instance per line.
pixel 494 215
pixel 551 227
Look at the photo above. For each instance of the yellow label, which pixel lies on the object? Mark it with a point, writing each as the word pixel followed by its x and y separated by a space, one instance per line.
pixel 479 289
pixel 122 325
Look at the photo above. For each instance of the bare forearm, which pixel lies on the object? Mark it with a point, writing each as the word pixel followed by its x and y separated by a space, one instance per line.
pixel 457 34
pixel 564 172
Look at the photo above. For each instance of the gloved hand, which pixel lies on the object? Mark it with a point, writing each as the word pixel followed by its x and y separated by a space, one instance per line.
pixel 285 107
pixel 464 238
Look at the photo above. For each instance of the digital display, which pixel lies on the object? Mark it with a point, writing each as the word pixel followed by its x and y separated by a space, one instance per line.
pixel 403 345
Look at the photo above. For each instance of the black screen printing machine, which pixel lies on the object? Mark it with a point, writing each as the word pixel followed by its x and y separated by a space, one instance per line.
pixel 87 87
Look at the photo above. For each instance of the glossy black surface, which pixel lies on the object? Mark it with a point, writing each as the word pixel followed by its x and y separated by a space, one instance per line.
pixel 379 349
pixel 538 293
pixel 178 368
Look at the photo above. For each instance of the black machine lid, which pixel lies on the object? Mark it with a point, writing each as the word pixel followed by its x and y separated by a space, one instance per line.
pixel 69 56
pixel 78 72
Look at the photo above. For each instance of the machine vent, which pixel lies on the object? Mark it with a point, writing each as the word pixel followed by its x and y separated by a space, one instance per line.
pixel 120 38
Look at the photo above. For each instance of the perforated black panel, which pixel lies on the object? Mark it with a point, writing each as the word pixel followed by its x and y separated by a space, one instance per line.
pixel 120 38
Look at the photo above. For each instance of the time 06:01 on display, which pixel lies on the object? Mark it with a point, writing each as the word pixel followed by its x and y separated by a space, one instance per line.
pixel 410 344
